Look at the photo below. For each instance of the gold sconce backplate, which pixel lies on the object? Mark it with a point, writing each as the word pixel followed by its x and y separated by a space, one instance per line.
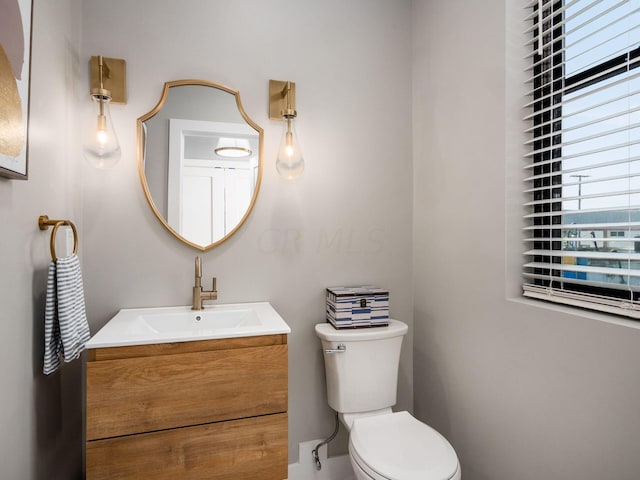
pixel 278 101
pixel 114 77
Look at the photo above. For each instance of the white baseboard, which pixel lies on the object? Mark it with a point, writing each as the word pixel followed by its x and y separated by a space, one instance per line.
pixel 334 468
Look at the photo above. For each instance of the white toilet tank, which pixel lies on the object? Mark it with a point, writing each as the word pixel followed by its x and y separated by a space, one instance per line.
pixel 363 377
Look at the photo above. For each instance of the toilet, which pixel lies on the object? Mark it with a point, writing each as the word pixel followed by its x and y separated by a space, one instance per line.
pixel 361 367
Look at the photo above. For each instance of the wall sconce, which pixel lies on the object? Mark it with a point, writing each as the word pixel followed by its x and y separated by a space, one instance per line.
pixel 108 84
pixel 233 147
pixel 282 105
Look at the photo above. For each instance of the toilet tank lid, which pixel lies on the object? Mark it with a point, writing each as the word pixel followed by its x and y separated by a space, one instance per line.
pixel 328 332
pixel 398 446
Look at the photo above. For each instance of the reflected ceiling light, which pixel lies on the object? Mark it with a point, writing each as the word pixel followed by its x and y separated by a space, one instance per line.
pixel 282 106
pixel 101 146
pixel 233 148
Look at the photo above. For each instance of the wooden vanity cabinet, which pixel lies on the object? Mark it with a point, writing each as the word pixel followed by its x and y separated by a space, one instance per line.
pixel 210 409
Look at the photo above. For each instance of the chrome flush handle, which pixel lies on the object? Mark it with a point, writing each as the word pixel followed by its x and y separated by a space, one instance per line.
pixel 341 349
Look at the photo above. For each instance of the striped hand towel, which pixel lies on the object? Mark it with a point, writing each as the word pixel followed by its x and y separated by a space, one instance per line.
pixel 66 330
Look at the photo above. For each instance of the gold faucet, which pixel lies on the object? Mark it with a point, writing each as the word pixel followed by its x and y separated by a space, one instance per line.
pixel 200 295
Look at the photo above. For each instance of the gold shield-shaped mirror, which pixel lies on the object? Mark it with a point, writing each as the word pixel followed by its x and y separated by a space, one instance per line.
pixel 200 161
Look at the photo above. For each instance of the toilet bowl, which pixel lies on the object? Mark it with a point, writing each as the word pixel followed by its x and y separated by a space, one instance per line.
pixel 361 368
pixel 396 446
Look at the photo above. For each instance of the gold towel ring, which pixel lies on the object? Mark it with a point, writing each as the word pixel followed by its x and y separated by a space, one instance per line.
pixel 44 223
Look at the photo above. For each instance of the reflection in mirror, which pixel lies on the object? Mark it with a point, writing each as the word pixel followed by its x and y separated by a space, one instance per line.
pixel 200 161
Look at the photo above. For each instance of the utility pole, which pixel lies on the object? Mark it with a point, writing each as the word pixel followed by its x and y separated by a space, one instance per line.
pixel 580 177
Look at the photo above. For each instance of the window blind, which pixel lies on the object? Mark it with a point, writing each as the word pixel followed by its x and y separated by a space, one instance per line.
pixel 582 172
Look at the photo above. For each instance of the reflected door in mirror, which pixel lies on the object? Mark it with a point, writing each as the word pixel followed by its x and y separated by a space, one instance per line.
pixel 208 196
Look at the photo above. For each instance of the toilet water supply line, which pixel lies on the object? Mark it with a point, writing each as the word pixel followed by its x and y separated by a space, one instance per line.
pixel 314 452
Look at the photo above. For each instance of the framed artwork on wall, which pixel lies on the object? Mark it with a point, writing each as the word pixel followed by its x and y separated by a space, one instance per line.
pixel 15 71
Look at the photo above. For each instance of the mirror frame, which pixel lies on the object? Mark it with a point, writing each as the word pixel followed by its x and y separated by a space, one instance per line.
pixel 141 142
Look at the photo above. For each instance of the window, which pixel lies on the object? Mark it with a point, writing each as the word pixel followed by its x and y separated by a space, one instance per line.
pixel 582 229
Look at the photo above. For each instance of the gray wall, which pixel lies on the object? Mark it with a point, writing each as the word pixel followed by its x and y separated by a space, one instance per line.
pixel 521 390
pixel 40 417
pixel 346 221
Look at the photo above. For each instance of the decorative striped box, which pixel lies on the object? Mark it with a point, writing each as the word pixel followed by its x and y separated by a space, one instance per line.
pixel 352 307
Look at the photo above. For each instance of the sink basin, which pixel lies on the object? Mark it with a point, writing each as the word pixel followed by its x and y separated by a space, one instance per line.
pixel 142 326
pixel 204 320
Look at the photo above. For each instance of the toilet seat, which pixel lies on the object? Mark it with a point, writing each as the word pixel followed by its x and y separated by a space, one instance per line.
pixel 396 446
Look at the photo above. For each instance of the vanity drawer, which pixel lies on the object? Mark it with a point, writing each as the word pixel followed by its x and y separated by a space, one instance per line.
pixel 145 394
pixel 247 449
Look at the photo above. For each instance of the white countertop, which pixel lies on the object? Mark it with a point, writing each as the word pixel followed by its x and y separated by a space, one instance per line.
pixel 144 326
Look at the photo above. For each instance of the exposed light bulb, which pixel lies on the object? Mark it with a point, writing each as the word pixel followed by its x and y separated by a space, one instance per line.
pixel 289 163
pixel 101 146
pixel 289 150
pixel 102 137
